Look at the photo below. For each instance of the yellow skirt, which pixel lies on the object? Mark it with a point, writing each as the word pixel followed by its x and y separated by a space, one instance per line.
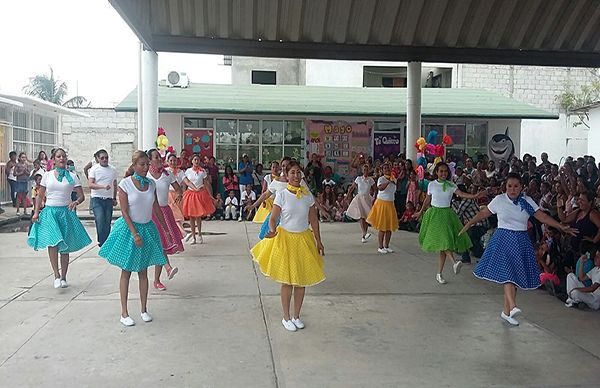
pixel 290 258
pixel 383 216
pixel 263 211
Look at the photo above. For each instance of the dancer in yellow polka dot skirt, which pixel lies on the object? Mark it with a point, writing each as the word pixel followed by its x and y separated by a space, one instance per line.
pixel 291 254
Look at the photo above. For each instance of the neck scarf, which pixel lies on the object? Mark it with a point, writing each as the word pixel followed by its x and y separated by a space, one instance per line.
pixel 158 170
pixel 526 206
pixel 197 169
pixel 445 184
pixel 63 173
pixel 299 191
pixel 141 179
pixel 390 178
pixel 274 177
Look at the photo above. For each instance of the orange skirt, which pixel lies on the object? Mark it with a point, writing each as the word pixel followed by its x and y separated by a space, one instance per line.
pixel 383 216
pixel 197 204
pixel 175 207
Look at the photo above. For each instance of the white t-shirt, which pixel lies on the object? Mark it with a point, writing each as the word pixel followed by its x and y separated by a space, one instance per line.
pixel 510 216
pixel 197 178
pixel 276 186
pixel 39 171
pixel 163 184
pixel 245 196
pixel 439 197
pixel 103 176
pixel 294 211
pixel 179 176
pixel 364 184
pixel 594 275
pixel 140 202
pixel 231 201
pixel 58 193
pixel 388 193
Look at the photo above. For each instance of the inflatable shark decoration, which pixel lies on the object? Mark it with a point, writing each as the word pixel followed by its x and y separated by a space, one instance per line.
pixel 501 147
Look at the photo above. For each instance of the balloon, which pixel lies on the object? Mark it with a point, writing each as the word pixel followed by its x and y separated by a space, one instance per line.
pixel 422 147
pixel 430 149
pixel 439 150
pixel 452 167
pixel 162 142
pixel 447 140
pixel 436 161
pixel 420 173
pixel 161 131
pixel 419 155
pixel 421 141
pixel 432 137
pixel 422 161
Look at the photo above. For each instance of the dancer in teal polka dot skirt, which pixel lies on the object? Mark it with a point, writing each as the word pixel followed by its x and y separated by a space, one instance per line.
pixel 134 243
pixel 56 226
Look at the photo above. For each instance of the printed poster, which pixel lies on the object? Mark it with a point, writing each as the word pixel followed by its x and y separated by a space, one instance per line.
pixel 199 141
pixel 385 144
pixel 338 142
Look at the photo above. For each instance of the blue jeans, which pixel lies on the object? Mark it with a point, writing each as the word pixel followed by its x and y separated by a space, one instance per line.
pixel 13 191
pixel 103 209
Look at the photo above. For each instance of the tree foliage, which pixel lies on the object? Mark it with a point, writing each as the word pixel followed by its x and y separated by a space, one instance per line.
pixel 53 90
pixel 574 102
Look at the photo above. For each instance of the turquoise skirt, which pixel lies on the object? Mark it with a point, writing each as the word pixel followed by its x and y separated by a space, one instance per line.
pixel 58 227
pixel 120 249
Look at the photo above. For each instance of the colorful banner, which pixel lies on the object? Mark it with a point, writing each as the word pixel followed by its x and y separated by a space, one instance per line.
pixel 338 142
pixel 199 141
pixel 385 144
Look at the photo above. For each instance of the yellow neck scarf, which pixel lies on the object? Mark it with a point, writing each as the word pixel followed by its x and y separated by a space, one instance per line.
pixel 299 191
pixel 390 178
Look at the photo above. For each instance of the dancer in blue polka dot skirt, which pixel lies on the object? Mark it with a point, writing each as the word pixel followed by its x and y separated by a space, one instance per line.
pixel 134 243
pixel 57 226
pixel 509 258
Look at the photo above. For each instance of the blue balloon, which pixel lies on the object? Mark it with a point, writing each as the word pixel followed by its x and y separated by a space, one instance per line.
pixel 432 137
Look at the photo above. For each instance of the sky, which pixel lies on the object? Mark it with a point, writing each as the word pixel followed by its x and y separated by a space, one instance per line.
pixel 88 46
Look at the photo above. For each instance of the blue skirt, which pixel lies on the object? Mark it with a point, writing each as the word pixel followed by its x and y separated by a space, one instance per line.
pixel 264 229
pixel 119 248
pixel 58 227
pixel 509 258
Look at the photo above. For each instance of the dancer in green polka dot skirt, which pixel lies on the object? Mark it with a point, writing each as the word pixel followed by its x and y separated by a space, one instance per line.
pixel 440 226
pixel 57 226
pixel 134 243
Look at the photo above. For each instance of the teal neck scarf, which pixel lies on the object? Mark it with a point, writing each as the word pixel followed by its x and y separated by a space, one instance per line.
pixel 63 173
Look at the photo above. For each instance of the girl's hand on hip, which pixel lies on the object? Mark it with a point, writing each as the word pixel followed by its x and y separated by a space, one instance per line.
pixel 137 239
pixel 271 234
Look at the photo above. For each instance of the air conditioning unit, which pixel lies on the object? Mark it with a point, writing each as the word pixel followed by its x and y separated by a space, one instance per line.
pixel 177 79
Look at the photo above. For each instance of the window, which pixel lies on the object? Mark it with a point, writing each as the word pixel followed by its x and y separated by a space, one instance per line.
pixel 477 135
pixel 262 140
pixel 393 82
pixel 263 77
pixel 457 148
pixel 190 122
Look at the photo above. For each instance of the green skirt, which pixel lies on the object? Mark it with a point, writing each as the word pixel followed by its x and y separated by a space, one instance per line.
pixel 439 231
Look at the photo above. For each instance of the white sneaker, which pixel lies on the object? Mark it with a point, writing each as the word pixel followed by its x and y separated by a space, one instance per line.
pixel 440 279
pixel 127 321
pixel 298 323
pixel 515 312
pixel 367 235
pixel 389 250
pixel 363 240
pixel 289 325
pixel 240 219
pixel 146 317
pixel 570 302
pixel 57 283
pixel 509 319
pixel 457 266
pixel 64 284
pixel 382 251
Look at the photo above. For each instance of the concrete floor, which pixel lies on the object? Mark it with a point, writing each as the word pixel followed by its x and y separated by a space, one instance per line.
pixel 377 321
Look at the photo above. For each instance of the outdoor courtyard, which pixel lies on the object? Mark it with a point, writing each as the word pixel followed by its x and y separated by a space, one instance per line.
pixel 377 321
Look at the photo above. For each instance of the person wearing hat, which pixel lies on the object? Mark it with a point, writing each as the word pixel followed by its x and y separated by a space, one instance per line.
pixel 245 169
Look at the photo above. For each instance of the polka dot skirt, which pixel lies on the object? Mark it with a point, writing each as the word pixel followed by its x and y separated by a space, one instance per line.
pixel 509 258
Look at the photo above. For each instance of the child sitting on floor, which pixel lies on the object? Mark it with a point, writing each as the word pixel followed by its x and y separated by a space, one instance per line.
pixel 406 221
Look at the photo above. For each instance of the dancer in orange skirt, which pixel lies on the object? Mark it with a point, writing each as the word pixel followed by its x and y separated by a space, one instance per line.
pixel 383 215
pixel 197 199
pixel 174 196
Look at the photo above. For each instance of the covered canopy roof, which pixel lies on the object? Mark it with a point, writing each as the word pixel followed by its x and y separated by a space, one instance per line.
pixel 21 100
pixel 526 32
pixel 329 101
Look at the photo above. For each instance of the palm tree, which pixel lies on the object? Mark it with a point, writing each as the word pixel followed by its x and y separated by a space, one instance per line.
pixel 53 90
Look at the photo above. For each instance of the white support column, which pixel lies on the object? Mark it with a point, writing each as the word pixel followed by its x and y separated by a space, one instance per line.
pixel 140 104
pixel 149 105
pixel 413 108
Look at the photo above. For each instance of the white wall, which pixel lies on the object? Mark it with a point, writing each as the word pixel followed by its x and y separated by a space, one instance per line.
pixel 593 144
pixel 172 124
pixel 558 138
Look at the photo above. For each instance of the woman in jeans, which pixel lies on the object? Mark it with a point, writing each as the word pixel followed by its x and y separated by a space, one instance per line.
pixel 10 176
